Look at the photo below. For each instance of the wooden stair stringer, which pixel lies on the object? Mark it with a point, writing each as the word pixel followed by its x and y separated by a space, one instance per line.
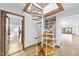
pixel 41 53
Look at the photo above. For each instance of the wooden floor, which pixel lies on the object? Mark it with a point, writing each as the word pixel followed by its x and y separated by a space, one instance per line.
pixel 69 47
pixel 15 46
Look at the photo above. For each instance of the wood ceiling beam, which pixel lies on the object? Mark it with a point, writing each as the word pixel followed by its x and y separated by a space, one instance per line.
pixel 26 7
pixel 59 9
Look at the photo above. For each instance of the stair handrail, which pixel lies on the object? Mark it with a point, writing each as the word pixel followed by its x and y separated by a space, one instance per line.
pixel 54 25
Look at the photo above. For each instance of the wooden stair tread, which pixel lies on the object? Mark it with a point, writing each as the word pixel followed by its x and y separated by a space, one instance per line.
pixel 49 50
pixel 51 44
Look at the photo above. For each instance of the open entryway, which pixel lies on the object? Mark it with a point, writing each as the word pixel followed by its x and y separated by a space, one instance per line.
pixel 13 32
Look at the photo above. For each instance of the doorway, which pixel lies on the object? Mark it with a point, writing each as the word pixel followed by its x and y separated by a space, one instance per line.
pixel 13 40
pixel 13 27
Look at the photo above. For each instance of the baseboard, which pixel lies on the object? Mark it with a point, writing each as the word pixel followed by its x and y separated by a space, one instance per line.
pixel 32 45
pixel 39 44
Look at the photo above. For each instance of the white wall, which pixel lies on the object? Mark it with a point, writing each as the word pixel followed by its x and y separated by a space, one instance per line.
pixel 65 15
pixel 67 24
pixel 77 29
pixel 30 31
pixel 58 31
pixel 72 21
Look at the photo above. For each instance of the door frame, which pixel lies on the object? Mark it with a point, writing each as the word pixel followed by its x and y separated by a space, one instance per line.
pixel 22 30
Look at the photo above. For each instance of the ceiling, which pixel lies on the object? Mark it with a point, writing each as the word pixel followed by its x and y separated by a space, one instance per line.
pixel 71 20
pixel 20 6
pixel 42 4
pixel 68 6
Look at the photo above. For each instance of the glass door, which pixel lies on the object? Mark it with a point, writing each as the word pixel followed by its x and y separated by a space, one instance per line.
pixel 7 35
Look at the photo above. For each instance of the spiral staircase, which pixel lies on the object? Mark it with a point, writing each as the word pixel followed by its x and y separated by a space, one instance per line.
pixel 47 45
pixel 47 35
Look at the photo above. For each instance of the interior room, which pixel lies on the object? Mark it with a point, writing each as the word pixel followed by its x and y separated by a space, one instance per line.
pixel 13 26
pixel 39 29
